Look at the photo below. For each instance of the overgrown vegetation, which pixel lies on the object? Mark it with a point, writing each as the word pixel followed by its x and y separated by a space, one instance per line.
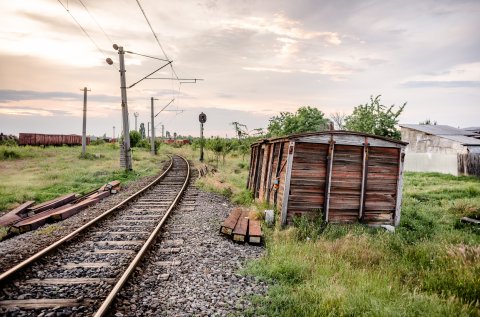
pixel 40 174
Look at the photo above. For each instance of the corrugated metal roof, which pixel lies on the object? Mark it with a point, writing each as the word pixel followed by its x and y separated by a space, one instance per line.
pixel 462 139
pixel 474 149
pixel 472 129
pixel 440 130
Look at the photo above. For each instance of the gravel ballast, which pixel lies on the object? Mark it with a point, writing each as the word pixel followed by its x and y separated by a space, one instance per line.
pixel 191 270
pixel 203 277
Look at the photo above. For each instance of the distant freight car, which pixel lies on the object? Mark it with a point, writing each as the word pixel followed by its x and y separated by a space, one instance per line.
pixel 50 139
pixel 177 141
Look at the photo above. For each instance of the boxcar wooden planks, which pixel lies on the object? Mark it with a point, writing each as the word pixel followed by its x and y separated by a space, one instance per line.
pixel 349 176
pixel 346 182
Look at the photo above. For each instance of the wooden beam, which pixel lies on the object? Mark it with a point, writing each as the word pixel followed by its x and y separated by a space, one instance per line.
pixel 270 170
pixel 361 211
pixel 398 206
pixel 277 173
pixel 288 174
pixel 328 179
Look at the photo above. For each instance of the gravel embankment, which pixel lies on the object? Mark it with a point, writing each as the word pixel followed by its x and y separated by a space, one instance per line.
pixel 203 277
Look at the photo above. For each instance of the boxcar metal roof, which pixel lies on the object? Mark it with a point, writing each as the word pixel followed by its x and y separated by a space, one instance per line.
pixel 336 132
pixel 440 130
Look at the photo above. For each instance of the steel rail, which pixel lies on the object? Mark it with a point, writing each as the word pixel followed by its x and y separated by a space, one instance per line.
pixel 116 289
pixel 10 272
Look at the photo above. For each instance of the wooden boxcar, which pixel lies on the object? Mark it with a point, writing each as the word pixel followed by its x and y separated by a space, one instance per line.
pixel 50 139
pixel 348 176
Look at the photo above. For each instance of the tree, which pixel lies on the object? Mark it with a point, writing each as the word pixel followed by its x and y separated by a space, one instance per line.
pixel 240 129
pixel 339 120
pixel 135 137
pixel 375 118
pixel 215 145
pixel 305 119
pixel 428 122
pixel 142 130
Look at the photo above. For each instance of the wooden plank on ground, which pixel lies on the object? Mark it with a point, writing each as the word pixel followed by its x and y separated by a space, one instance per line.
pixel 254 232
pixel 37 220
pixel 470 220
pixel 54 203
pixel 72 210
pixel 16 214
pixel 229 223
pixel 240 231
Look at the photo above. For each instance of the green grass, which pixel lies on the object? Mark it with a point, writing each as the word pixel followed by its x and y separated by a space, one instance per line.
pixel 429 267
pixel 40 174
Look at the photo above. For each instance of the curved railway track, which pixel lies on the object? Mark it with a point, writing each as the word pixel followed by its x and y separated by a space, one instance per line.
pixel 83 272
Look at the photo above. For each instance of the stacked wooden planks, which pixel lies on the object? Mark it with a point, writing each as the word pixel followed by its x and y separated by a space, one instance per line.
pixel 240 227
pixel 27 217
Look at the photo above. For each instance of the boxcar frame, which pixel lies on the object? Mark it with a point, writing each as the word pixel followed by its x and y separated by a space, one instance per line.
pixel 347 176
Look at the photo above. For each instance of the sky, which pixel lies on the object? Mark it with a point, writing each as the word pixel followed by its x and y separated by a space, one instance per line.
pixel 256 59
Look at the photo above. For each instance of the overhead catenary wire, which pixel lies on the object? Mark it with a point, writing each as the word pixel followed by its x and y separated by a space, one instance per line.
pixel 96 22
pixel 83 29
pixel 155 34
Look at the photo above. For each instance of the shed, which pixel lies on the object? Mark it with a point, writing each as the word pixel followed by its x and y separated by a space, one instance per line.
pixel 441 148
pixel 348 176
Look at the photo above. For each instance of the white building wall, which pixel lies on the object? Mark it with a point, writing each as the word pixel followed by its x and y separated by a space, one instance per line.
pixel 431 162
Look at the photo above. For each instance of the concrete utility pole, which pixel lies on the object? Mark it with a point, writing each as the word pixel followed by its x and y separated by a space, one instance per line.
pixel 114 133
pixel 148 130
pixel 84 129
pixel 126 129
pixel 135 114
pixel 163 131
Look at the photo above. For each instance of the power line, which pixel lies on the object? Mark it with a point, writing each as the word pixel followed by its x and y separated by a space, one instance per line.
pixel 155 35
pixel 84 31
pixel 96 22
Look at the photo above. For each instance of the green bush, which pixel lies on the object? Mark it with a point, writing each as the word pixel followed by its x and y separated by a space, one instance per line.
pixel 6 154
pixel 135 137
pixel 9 142
pixel 98 142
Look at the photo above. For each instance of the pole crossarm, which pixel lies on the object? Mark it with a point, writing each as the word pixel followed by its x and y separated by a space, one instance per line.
pixel 169 78
pixel 160 59
pixel 150 74
pixel 168 104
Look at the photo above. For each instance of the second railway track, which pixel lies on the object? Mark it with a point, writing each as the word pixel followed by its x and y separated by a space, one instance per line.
pixel 82 273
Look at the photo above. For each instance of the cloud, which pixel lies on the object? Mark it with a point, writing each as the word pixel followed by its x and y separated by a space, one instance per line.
pixel 33 111
pixel 441 84
pixel 459 76
pixel 19 95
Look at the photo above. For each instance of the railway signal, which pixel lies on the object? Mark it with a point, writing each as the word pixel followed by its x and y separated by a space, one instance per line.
pixel 202 118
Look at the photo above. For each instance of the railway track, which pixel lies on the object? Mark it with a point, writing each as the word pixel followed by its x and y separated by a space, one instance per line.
pixel 82 273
